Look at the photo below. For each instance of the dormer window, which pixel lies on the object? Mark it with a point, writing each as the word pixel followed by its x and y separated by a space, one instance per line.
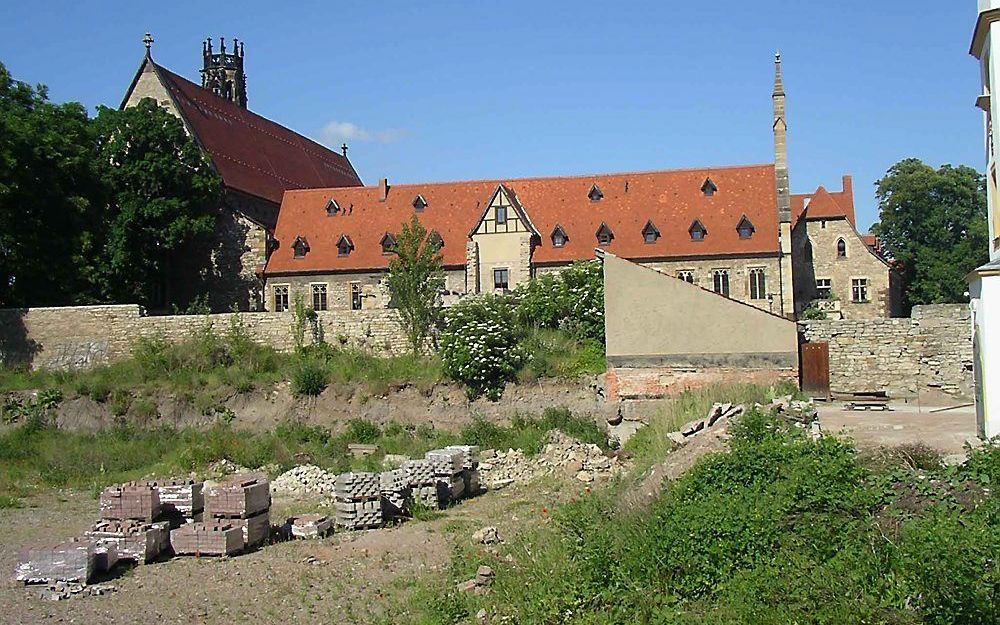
pixel 300 247
pixel 434 240
pixel 595 195
pixel 649 233
pixel 388 243
pixel 745 228
pixel 332 208
pixel 697 231
pixel 559 237
pixel 419 203
pixel 344 245
pixel 604 235
pixel 709 188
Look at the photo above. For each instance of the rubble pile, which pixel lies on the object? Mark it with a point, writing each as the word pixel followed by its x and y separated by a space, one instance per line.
pixel 561 454
pixel 310 525
pixel 306 479
pixel 802 414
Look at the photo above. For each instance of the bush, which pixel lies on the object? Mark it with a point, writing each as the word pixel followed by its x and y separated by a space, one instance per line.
pixel 309 377
pixel 480 345
pixel 362 431
pixel 571 300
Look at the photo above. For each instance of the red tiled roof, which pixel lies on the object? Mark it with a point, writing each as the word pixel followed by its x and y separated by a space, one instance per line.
pixel 672 200
pixel 252 153
pixel 825 204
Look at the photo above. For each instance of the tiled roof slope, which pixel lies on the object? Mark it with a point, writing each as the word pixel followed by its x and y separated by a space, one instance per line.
pixel 252 153
pixel 823 203
pixel 672 200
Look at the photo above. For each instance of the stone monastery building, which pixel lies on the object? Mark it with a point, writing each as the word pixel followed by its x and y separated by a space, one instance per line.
pixel 735 230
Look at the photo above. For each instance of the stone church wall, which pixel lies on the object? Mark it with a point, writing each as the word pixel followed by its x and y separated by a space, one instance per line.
pixel 930 352
pixel 82 336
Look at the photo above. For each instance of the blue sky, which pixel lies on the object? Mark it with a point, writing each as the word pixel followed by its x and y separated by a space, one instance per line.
pixel 455 90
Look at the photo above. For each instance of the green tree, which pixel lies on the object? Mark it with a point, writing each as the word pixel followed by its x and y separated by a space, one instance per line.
pixel 162 193
pixel 933 225
pixel 47 197
pixel 415 277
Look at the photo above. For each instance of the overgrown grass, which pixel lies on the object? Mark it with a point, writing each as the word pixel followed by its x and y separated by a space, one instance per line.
pixel 779 529
pixel 528 433
pixel 557 354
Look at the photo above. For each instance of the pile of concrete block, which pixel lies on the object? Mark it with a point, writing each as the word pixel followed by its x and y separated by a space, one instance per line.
pixel 181 500
pixel 425 488
pixel 71 561
pixel 310 525
pixel 219 537
pixel 133 500
pixel 357 500
pixel 132 539
pixel 243 501
pixel 447 465
pixel 470 468
pixel 395 493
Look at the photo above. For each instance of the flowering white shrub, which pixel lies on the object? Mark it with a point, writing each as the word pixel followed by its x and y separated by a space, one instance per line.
pixel 480 344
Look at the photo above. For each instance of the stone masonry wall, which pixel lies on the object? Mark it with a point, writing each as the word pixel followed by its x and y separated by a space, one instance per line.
pixel 929 352
pixel 81 336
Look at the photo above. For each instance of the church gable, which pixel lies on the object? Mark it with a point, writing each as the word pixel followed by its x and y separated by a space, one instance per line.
pixel 503 215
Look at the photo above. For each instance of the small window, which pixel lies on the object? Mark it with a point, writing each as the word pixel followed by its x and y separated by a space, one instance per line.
pixel 709 188
pixel 300 247
pixel 604 235
pixel 281 298
pixel 344 245
pixel 859 290
pixel 559 237
pixel 745 228
pixel 501 214
pixel 319 296
pixel 720 281
pixel 841 248
pixel 595 195
pixel 686 275
pixel 419 203
pixel 758 283
pixel 824 288
pixel 697 231
pixel 649 233
pixel 501 279
pixel 332 208
pixel 355 296
pixel 388 243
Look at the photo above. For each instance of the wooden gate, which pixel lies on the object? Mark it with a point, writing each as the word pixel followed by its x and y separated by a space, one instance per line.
pixel 814 369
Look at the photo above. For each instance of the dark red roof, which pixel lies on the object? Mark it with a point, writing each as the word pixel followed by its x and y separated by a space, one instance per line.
pixel 823 204
pixel 252 153
pixel 672 200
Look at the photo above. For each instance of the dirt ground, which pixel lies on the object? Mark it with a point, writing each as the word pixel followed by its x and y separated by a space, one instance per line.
pixel 354 577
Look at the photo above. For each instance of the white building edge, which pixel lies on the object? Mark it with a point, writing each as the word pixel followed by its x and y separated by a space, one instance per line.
pixel 984 282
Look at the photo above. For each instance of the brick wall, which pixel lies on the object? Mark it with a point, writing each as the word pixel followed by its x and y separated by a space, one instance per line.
pixel 81 336
pixel 929 352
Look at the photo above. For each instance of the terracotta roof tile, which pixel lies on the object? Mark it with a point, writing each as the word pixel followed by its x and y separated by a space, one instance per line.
pixel 671 199
pixel 825 204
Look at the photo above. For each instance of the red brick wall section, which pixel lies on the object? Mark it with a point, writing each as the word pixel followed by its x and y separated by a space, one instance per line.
pixel 660 382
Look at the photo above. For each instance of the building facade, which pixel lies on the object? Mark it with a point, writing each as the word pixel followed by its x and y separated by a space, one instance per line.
pixel 984 282
pixel 257 159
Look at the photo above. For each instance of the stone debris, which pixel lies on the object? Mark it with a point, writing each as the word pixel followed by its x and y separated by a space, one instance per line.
pixel 310 525
pixel 211 538
pixel 717 413
pixel 488 535
pixel 561 454
pixel 130 501
pixel 480 583
pixel 133 540
pixel 802 414
pixel 307 479
pixel 72 561
pixel 797 411
pixel 223 468
pixel 59 591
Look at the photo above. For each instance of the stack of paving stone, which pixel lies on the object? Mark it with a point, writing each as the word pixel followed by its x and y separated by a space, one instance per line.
pixel 447 465
pixel 244 501
pixel 219 537
pixel 72 561
pixel 311 525
pixel 470 468
pixel 357 500
pixel 181 500
pixel 132 500
pixel 424 484
pixel 133 539
pixel 395 491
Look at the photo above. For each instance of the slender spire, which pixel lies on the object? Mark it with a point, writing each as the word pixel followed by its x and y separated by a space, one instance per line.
pixel 780 127
pixel 148 42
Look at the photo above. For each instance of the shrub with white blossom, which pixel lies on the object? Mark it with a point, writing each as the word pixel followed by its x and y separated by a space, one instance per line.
pixel 480 344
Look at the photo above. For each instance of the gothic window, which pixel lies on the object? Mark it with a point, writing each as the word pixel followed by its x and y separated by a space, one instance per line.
pixel 824 288
pixel 434 239
pixel 686 275
pixel 559 237
pixel 758 283
pixel 649 233
pixel 841 248
pixel 501 279
pixel 281 298
pixel 604 235
pixel 419 203
pixel 300 247
pixel 709 188
pixel 332 208
pixel 697 231
pixel 355 296
pixel 745 228
pixel 859 290
pixel 344 245
pixel 319 296
pixel 501 214
pixel 388 243
pixel 595 195
pixel 720 281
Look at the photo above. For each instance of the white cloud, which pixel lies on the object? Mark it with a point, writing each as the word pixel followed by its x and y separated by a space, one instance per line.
pixel 336 132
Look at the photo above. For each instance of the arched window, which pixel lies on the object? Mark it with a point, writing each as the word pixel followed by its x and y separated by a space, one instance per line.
pixel 841 248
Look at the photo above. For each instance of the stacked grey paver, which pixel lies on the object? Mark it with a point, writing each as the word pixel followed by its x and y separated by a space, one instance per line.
pixel 357 501
pixel 396 492
pixel 425 487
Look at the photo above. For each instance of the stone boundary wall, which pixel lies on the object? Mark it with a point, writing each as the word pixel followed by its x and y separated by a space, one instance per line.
pixel 81 336
pixel 929 352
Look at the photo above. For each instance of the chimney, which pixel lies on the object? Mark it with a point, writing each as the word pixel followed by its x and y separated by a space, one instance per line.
pixel 848 186
pixel 383 189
